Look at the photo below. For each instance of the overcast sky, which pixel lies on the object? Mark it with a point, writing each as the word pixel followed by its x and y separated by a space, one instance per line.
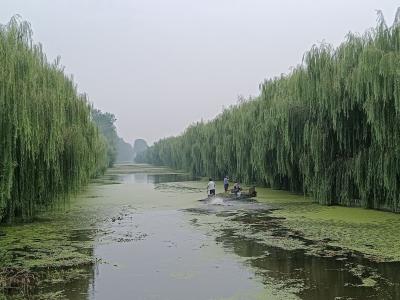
pixel 160 65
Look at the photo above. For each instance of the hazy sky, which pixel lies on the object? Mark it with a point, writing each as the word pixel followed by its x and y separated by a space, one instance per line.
pixel 160 65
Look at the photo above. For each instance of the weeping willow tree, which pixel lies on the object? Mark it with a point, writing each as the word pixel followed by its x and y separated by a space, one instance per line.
pixel 329 129
pixel 49 146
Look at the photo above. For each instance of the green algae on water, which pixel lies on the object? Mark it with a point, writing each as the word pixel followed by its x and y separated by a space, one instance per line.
pixel 372 233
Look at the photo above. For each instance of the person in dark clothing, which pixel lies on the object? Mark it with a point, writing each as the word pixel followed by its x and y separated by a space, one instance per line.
pixel 236 188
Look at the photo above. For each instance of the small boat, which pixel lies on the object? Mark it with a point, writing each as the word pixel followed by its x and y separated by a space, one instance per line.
pixel 241 195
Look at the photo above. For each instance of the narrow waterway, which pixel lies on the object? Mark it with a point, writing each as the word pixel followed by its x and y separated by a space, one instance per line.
pixel 151 250
pixel 153 239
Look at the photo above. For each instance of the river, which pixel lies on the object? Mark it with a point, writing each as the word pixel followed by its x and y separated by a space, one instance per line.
pixel 151 238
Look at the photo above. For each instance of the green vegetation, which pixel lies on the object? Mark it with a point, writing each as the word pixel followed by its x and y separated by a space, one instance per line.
pixel 57 248
pixel 52 250
pixel 49 146
pixel 370 232
pixel 105 123
pixel 329 129
pixel 55 253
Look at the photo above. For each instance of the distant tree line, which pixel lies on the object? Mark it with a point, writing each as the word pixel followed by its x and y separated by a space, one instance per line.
pixel 105 123
pixel 125 153
pixel 139 148
pixel 329 129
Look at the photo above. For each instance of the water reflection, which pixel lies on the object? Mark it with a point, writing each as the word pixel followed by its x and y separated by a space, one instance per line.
pixel 81 286
pixel 315 277
pixel 142 178
pixel 152 252
pixel 70 283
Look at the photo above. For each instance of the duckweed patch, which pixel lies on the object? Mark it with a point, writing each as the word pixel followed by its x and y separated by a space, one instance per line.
pixel 373 233
pixel 28 252
pixel 51 248
pixel 277 242
pixel 57 248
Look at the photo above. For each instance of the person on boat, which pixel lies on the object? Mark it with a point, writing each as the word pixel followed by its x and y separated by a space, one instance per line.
pixel 226 184
pixel 236 188
pixel 211 188
pixel 252 191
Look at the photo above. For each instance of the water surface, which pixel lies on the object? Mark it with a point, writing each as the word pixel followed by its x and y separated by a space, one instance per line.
pixel 154 240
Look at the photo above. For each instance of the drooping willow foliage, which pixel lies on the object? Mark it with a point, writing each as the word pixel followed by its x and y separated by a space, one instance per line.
pixel 329 129
pixel 49 145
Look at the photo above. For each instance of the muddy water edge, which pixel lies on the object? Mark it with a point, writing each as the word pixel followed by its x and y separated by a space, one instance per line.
pixel 140 233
